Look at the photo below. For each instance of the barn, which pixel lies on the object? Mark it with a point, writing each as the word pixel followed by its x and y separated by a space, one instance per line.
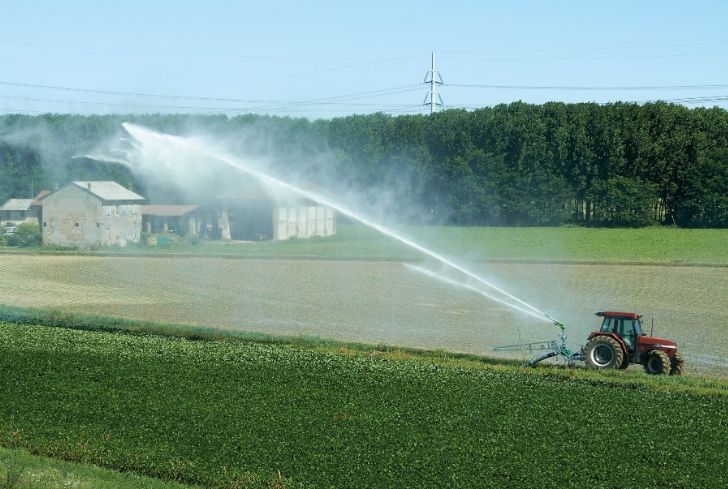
pixel 175 219
pixel 252 213
pixel 101 213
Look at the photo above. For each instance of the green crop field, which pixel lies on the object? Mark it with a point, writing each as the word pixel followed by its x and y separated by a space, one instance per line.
pixel 377 301
pixel 651 245
pixel 241 414
pixel 258 410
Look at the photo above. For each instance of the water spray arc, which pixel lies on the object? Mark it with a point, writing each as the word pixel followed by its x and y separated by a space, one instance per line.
pixel 455 283
pixel 141 134
pixel 552 348
pixel 146 138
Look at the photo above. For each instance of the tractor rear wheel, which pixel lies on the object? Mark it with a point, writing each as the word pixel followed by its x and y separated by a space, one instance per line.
pixel 603 352
pixel 658 363
pixel 676 364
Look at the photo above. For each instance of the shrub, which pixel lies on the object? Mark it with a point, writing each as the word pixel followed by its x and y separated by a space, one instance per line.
pixel 26 234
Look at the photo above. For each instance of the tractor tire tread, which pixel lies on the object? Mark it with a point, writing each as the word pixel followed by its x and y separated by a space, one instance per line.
pixel 676 364
pixel 617 359
pixel 657 363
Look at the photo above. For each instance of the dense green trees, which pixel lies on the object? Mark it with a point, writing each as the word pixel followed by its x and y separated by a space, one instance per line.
pixel 517 164
pixel 703 195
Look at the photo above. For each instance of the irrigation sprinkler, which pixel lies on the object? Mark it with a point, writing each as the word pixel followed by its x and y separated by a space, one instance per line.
pixel 550 348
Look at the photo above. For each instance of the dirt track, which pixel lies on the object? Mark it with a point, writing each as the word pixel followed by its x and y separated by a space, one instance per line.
pixel 377 301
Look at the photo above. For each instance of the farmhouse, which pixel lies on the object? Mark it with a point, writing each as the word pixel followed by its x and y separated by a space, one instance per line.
pixel 92 214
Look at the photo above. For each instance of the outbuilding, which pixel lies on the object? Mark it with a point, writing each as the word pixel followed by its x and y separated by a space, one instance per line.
pixel 100 213
pixel 253 213
pixel 176 219
pixel 18 211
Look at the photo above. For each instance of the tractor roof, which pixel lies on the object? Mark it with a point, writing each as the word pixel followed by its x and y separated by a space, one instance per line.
pixel 614 314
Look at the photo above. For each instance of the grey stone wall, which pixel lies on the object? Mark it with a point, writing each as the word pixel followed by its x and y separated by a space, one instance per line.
pixel 74 217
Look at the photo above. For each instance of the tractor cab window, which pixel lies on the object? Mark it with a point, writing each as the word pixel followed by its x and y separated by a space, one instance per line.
pixel 606 325
pixel 626 329
pixel 638 327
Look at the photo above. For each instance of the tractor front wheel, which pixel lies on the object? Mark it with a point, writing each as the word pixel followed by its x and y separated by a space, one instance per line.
pixel 676 364
pixel 658 363
pixel 603 352
pixel 625 363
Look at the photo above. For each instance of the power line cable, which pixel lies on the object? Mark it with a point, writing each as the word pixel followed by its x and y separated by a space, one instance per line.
pixel 587 48
pixel 587 88
pixel 327 107
pixel 191 107
pixel 582 57
pixel 135 94
pixel 696 100
pixel 111 104
pixel 10 110
pixel 208 54
pixel 342 98
pixel 271 104
pixel 407 57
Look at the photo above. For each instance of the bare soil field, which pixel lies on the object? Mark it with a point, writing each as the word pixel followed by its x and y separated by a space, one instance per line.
pixel 376 302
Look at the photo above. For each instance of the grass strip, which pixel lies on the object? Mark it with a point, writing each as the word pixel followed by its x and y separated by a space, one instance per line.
pixel 19 469
pixel 653 245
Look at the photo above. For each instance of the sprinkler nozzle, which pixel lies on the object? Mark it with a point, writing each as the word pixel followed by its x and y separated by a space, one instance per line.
pixel 556 322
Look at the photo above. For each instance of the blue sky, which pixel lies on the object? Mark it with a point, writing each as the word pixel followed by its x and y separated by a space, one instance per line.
pixel 326 58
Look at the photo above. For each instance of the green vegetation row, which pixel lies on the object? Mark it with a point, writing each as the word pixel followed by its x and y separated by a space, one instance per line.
pixel 618 164
pixel 111 324
pixel 653 245
pixel 248 414
pixel 21 470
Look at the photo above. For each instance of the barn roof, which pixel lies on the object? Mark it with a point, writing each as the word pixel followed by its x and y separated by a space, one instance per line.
pixel 167 210
pixel 17 205
pixel 248 189
pixel 108 190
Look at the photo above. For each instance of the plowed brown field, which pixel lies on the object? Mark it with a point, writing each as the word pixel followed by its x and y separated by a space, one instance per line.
pixel 378 301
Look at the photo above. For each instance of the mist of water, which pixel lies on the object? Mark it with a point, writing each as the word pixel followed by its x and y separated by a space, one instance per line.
pixel 442 278
pixel 148 142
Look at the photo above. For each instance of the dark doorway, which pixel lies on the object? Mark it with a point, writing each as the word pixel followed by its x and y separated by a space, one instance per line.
pixel 251 221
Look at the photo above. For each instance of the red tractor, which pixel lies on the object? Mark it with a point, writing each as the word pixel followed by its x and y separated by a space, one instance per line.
pixel 620 342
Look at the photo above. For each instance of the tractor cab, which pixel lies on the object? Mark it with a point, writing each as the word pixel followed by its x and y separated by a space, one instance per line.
pixel 626 325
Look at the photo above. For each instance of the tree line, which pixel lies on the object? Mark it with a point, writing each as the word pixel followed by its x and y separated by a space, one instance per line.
pixel 515 164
